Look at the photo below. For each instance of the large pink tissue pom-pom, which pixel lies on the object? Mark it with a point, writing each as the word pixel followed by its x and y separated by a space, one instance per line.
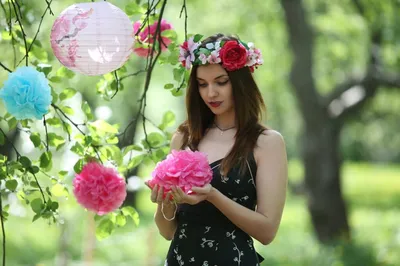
pixel 98 188
pixel 184 169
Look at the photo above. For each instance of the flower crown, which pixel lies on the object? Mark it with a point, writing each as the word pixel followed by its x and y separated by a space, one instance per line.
pixel 231 54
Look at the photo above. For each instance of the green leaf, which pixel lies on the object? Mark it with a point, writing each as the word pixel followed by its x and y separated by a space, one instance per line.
pixel 54 95
pixel 86 109
pixel 54 206
pixel 45 68
pixel 133 9
pixel 103 126
pixel 11 184
pixel 68 110
pixel 54 121
pixel 197 37
pixel 120 220
pixel 26 163
pixel 35 138
pixel 155 139
pixel 65 72
pixel 176 92
pixel 55 140
pixel 168 120
pixel 55 79
pixel 34 169
pixel 78 149
pixel 12 123
pixel 2 139
pixel 59 190
pixel 39 53
pixel 67 93
pixel 178 73
pixel 45 160
pixel 135 161
pixel 171 34
pixel 37 216
pixel 130 211
pixel 37 205
pixel 78 166
pixel 62 173
pixel 168 86
pixel 133 147
pixel 104 229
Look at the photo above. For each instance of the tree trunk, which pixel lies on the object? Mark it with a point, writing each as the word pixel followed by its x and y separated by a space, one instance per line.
pixel 322 164
pixel 321 133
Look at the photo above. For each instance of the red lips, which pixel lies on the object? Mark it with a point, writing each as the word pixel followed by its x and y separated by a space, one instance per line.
pixel 215 104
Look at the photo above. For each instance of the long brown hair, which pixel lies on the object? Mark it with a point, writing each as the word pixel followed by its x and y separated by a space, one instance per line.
pixel 249 107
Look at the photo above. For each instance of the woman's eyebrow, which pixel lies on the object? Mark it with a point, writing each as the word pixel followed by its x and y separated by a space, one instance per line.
pixel 220 76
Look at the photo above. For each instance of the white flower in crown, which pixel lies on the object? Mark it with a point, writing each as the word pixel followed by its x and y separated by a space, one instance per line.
pixel 214 58
pixel 203 58
pixel 186 52
pixel 254 57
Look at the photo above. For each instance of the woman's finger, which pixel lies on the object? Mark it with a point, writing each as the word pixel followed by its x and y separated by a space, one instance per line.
pixel 167 199
pixel 154 192
pixel 160 194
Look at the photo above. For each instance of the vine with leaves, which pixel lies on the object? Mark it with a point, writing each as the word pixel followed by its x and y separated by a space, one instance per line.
pixel 33 179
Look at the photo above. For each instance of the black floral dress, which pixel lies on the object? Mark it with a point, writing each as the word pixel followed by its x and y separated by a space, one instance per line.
pixel 205 237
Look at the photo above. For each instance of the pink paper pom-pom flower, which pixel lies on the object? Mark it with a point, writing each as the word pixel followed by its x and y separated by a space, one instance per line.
pixel 98 188
pixel 184 169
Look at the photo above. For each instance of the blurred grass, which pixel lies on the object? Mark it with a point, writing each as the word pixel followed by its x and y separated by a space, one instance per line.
pixel 372 193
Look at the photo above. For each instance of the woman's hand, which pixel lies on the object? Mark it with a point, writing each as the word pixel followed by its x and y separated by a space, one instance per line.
pixel 157 195
pixel 200 194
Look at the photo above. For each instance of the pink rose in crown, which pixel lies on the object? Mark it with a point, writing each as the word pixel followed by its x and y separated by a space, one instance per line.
pixel 184 169
pixel 98 188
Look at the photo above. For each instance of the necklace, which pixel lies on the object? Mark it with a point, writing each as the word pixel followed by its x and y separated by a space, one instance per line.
pixel 223 130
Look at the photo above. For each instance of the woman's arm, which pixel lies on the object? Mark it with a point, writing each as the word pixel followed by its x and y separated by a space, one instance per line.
pixel 167 228
pixel 271 183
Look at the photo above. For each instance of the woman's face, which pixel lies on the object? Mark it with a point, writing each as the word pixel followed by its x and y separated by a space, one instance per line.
pixel 215 88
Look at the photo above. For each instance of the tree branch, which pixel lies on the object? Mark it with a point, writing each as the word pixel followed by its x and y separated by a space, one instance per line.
pixel 6 68
pixel 18 15
pixel 301 41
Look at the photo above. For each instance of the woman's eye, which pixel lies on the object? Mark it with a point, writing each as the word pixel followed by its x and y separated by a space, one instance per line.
pixel 221 83
pixel 202 85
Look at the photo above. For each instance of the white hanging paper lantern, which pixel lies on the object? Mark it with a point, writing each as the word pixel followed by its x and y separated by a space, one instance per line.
pixel 92 38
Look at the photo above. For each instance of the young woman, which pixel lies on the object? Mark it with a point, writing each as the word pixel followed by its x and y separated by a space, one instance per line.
pixel 246 197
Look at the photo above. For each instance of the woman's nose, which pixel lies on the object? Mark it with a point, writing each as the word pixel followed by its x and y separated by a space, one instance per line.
pixel 212 92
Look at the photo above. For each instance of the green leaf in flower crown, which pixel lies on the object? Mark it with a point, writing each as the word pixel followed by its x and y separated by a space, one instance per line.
pixel 104 229
pixel 35 138
pixel 67 93
pixel 197 37
pixel 55 79
pixel 11 185
pixel 133 147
